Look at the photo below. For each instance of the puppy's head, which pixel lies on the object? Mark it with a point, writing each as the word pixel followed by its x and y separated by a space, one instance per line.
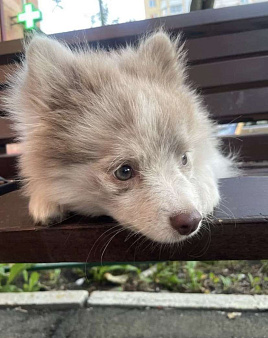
pixel 118 133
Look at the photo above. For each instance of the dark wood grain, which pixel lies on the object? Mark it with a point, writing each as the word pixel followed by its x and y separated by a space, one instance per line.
pixel 2 94
pixel 7 135
pixel 238 105
pixel 198 50
pixel 5 71
pixel 227 46
pixel 240 231
pixel 230 73
pixel 8 166
pixel 248 147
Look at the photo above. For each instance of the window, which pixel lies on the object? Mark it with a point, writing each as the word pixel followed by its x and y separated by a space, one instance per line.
pixel 176 9
pixel 163 4
pixel 164 12
pixel 152 3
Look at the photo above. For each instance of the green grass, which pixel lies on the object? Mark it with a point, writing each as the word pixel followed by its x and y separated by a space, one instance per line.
pixel 242 277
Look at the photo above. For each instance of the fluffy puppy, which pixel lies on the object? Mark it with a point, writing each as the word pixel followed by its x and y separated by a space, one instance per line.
pixel 116 133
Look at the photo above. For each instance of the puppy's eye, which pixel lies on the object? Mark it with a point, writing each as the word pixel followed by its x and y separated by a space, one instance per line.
pixel 124 173
pixel 184 159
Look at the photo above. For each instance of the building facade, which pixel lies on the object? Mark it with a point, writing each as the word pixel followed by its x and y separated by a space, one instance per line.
pixel 158 8
pixel 9 9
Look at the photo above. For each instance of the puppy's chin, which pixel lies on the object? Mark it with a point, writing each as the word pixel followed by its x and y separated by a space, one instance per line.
pixel 167 236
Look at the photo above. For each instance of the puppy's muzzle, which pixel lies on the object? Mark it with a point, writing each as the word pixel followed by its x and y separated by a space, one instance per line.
pixel 186 223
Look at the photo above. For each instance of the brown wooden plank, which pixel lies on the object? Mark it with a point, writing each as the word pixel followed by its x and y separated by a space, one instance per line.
pixel 2 110
pixel 2 93
pixel 227 46
pixel 232 73
pixel 2 149
pixel 11 47
pixel 5 71
pixel 200 49
pixel 7 135
pixel 239 232
pixel 201 23
pixel 8 164
pixel 239 105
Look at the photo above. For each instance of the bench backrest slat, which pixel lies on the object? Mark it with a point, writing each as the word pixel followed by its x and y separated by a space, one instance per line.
pixel 7 135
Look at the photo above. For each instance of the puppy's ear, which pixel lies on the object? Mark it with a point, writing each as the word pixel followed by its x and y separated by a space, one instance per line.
pixel 164 57
pixel 45 55
pixel 48 63
pixel 50 73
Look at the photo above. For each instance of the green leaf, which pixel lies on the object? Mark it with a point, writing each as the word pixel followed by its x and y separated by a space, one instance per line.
pixel 25 287
pixel 250 277
pixel 34 278
pixel 25 275
pixel 15 270
pixel 10 288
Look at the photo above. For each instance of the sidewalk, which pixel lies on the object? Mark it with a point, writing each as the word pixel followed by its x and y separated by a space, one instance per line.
pixel 135 315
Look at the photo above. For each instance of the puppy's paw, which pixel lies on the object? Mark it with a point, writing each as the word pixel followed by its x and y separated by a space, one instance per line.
pixel 45 212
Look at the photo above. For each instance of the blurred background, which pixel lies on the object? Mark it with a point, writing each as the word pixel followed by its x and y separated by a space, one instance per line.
pixel 69 15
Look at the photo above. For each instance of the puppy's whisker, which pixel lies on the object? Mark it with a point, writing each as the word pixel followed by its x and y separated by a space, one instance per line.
pixel 118 232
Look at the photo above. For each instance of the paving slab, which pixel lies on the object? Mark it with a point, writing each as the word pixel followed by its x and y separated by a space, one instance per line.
pixel 105 314
pixel 49 299
pixel 115 322
pixel 179 300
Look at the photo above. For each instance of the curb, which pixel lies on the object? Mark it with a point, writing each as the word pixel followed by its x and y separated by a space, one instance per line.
pixel 180 301
pixel 48 299
pixel 55 300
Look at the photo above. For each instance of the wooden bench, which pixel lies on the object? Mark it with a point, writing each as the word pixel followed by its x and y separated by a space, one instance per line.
pixel 228 63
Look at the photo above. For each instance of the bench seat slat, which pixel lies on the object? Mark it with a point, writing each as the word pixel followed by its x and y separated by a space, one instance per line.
pixel 240 231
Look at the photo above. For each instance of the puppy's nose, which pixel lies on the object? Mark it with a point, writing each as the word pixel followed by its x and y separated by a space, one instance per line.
pixel 186 223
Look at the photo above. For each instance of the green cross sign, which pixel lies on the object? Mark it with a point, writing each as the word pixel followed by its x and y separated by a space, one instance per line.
pixel 29 16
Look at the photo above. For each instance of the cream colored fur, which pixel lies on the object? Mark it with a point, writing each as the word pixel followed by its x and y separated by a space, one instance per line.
pixel 82 114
